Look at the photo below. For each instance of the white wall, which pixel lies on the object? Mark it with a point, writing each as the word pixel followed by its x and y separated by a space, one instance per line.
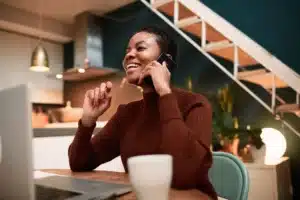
pixel 52 153
pixel 15 56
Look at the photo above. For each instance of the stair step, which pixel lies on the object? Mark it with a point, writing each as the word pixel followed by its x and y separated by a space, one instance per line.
pixel 188 21
pixel 228 54
pixel 261 77
pixel 211 34
pixel 291 108
pixel 167 7
pixel 247 74
pixel 217 45
pixel 186 16
pixel 158 3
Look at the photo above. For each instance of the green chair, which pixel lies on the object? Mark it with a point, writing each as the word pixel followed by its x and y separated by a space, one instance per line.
pixel 229 176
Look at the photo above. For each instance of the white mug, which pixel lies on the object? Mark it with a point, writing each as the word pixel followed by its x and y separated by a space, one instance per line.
pixel 151 176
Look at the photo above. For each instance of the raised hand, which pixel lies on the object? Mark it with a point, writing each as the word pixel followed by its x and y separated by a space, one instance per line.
pixel 160 75
pixel 96 102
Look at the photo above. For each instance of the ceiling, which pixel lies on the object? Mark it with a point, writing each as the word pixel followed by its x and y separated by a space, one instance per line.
pixel 65 10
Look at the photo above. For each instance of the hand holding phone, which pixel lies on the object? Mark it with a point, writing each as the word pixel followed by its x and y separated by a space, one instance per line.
pixel 163 57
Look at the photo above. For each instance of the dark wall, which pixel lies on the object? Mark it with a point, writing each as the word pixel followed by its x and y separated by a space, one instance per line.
pixel 274 24
pixel 121 24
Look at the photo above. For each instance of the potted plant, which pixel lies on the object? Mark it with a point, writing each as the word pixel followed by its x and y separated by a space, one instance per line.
pixel 227 135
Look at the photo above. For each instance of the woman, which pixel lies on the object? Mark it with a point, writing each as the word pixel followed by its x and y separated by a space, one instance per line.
pixel 166 121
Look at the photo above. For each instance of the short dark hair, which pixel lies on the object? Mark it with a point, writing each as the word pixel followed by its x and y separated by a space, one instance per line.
pixel 166 43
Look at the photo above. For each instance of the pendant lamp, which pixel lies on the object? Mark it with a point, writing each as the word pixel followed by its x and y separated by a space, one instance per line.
pixel 39 58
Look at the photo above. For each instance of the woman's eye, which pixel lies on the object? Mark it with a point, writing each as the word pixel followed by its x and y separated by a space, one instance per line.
pixel 141 48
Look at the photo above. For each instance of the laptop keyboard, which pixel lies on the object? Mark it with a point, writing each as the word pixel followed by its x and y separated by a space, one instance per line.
pixel 46 193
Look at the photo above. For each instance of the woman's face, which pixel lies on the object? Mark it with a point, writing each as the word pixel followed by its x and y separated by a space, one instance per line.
pixel 141 50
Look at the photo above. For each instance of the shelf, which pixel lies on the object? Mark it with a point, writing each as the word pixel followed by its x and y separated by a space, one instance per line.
pixel 90 73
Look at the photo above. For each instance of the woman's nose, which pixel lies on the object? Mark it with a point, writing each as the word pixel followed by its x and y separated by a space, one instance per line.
pixel 130 54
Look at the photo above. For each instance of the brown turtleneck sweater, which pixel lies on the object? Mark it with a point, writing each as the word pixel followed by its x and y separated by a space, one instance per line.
pixel 179 124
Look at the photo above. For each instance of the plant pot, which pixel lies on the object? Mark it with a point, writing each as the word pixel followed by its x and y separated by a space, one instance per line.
pixel 231 146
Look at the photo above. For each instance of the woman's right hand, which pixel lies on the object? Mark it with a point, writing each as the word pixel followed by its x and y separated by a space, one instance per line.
pixel 96 102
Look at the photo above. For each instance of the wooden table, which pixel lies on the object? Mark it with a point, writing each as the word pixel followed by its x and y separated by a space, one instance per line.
pixel 117 177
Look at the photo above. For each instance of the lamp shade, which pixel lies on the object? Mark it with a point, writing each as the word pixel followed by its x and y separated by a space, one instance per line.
pixel 39 60
pixel 275 145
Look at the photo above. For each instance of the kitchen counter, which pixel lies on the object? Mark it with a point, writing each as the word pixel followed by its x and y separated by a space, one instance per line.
pixel 62 129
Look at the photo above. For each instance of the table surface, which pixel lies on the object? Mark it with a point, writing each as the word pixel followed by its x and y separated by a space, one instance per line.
pixel 117 177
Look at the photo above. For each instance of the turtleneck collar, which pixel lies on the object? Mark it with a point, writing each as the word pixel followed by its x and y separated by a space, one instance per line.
pixel 150 103
pixel 150 97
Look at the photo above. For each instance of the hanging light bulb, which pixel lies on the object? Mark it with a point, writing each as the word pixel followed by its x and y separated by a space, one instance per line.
pixel 39 58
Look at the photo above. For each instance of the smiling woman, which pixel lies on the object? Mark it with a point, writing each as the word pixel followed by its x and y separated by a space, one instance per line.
pixel 143 50
pixel 167 120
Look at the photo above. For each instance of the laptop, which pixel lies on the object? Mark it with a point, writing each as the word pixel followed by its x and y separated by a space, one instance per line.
pixel 16 159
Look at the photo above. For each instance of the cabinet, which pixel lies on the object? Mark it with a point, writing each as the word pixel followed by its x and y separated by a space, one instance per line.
pixel 270 182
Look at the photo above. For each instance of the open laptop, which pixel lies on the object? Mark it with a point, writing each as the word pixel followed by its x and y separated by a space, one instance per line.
pixel 16 160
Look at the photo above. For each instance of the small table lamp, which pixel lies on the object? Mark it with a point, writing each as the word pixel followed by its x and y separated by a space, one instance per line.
pixel 275 145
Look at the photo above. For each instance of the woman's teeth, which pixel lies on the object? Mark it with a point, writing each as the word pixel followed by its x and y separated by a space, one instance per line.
pixel 131 66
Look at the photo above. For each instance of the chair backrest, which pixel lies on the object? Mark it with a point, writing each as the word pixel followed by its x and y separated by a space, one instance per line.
pixel 229 176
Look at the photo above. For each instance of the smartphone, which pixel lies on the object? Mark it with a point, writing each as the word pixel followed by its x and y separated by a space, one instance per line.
pixel 163 57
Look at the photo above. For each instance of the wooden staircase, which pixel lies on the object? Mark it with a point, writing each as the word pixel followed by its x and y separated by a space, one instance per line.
pixel 220 38
pixel 218 44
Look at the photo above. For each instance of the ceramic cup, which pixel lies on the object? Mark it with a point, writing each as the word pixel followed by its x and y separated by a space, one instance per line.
pixel 151 176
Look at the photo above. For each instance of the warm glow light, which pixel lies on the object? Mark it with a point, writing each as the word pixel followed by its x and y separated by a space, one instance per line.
pixel 248 127
pixel 81 70
pixel 39 68
pixel 59 76
pixel 275 145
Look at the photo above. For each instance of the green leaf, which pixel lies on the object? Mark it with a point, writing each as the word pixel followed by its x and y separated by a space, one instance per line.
pixel 228 120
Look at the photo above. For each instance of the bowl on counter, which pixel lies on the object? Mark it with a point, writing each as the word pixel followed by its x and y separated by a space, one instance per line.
pixel 60 115
pixel 67 117
pixel 65 114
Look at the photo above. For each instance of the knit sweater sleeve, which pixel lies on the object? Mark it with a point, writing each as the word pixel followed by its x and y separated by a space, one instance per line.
pixel 187 138
pixel 87 152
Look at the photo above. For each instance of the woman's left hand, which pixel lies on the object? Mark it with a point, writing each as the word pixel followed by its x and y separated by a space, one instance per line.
pixel 160 75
